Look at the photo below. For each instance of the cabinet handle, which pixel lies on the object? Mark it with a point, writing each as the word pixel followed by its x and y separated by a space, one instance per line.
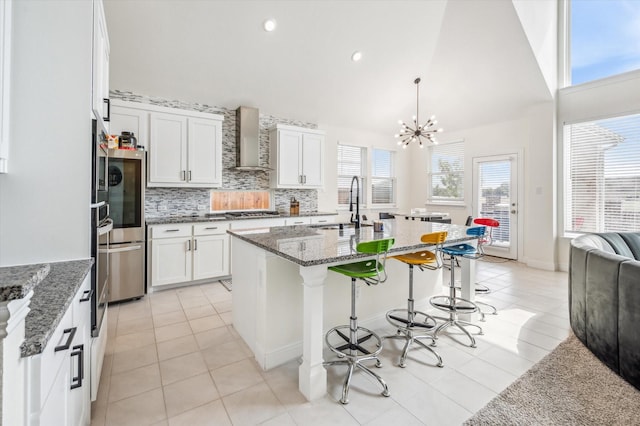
pixel 322 221
pixel 304 178
pixel 171 230
pixel 211 227
pixel 108 102
pixel 299 178
pixel 189 176
pixel 71 332
pixel 184 175
pixel 87 296
pixel 76 381
pixel 298 223
pixel 189 245
pixel 195 245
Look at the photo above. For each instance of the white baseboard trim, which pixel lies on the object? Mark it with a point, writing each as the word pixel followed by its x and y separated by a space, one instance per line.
pixel 541 264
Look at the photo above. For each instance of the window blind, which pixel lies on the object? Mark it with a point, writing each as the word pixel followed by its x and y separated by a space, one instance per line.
pixel 351 161
pixel 382 177
pixel 602 175
pixel 446 172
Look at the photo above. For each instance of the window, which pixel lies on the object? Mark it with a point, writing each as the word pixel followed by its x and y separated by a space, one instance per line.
pixel 383 182
pixel 604 38
pixel 351 162
pixel 602 175
pixel 446 173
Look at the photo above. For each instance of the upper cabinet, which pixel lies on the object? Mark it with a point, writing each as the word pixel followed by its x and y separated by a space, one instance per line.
pixel 297 157
pixel 5 66
pixel 100 91
pixel 185 147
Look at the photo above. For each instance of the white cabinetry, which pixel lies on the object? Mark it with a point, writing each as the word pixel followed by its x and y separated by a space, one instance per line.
pixel 188 252
pixel 5 66
pixel 100 64
pixel 185 150
pixel 297 157
pixel 58 388
pixel 127 119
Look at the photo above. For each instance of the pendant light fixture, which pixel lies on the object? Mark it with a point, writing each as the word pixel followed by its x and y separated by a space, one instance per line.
pixel 410 134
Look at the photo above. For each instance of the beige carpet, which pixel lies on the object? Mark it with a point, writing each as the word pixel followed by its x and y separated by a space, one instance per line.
pixel 570 386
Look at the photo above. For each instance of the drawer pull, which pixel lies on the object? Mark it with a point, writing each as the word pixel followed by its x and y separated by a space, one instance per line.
pixel 211 227
pixel 87 296
pixel 76 381
pixel 171 230
pixel 71 332
pixel 322 221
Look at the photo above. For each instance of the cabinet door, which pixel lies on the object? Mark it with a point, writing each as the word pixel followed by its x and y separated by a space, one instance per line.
pixel 170 261
pixel 167 149
pixel 55 410
pixel 312 160
pixel 289 170
pixel 130 120
pixel 80 403
pixel 210 256
pixel 204 152
pixel 100 64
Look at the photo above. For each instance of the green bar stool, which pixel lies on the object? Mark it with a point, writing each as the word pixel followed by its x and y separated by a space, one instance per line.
pixel 412 325
pixel 351 338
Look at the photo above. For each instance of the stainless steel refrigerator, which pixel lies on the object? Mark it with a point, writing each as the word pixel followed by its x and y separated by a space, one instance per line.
pixel 126 180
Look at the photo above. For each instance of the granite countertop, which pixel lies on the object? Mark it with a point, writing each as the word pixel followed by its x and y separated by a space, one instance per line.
pixel 17 281
pixel 51 299
pixel 309 245
pixel 222 216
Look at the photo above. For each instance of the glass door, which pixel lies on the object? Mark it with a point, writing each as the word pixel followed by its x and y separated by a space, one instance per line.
pixel 495 196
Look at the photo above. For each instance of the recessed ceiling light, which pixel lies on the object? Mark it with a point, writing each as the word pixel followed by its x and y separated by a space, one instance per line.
pixel 356 56
pixel 269 25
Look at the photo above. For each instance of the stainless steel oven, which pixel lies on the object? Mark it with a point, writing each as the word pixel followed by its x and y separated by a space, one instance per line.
pixel 101 226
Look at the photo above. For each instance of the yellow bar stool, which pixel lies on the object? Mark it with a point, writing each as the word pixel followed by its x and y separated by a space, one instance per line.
pixel 354 344
pixel 412 325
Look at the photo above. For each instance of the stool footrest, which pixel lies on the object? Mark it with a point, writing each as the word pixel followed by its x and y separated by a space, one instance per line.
pixel 453 304
pixel 353 349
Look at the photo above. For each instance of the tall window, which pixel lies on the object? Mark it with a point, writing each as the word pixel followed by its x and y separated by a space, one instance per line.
pixel 351 162
pixel 602 175
pixel 604 38
pixel 383 182
pixel 446 173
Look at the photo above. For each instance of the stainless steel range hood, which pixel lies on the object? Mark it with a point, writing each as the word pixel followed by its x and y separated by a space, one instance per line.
pixel 248 140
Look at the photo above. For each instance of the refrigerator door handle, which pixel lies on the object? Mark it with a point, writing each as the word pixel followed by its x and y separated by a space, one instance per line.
pixel 97 205
pixel 123 249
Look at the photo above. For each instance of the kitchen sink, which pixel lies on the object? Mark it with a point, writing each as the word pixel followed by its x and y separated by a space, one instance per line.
pixel 339 226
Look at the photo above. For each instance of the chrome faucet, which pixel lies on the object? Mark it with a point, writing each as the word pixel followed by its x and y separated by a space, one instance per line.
pixel 355 220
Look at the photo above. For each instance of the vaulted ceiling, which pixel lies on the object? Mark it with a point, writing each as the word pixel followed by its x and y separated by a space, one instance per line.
pixel 474 58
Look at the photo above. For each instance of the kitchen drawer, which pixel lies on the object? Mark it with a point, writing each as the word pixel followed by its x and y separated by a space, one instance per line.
pixel 297 221
pixel 169 231
pixel 323 219
pixel 210 228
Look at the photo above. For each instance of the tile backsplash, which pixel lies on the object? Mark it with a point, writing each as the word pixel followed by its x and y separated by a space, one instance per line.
pixel 162 202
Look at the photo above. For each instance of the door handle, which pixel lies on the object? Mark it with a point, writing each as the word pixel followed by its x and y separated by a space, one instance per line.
pixel 189 245
pixel 195 245
pixel 76 381
pixel 123 249
pixel 71 332
pixel 189 174
pixel 87 297
pixel 108 102
pixel 184 175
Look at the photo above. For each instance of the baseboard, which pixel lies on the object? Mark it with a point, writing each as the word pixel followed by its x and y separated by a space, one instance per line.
pixel 540 264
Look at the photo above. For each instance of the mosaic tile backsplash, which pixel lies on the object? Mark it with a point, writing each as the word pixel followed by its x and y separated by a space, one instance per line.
pixel 185 201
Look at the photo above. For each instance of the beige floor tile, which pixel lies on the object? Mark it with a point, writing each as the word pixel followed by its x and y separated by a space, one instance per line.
pixel 134 325
pixel 253 405
pixel 464 391
pixel 168 318
pixel 189 393
pixel 193 301
pixel 395 416
pixel 176 347
pixel 283 419
pixel 199 311
pixel 173 331
pixel 224 354
pixel 165 306
pixel 133 341
pixel 182 367
pixel 144 409
pixel 324 411
pixel 213 337
pixel 211 414
pixel 134 310
pixel 235 377
pixel 206 323
pixel 224 306
pixel 134 382
pixel 219 297
pixel 227 317
pixel 134 358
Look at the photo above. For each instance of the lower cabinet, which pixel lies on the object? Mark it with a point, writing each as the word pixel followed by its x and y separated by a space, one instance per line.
pixel 58 389
pixel 188 252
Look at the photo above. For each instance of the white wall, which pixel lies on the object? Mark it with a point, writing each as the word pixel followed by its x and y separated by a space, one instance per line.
pixel 618 95
pixel 328 197
pixel 44 200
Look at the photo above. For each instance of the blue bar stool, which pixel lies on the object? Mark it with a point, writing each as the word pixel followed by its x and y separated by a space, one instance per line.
pixel 351 337
pixel 408 321
pixel 451 303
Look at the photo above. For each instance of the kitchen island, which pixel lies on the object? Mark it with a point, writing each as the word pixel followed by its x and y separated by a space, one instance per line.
pixel 284 298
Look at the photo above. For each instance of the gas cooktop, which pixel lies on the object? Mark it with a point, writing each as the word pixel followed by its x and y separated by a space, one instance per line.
pixel 254 213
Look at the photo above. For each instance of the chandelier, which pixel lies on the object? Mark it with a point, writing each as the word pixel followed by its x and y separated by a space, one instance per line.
pixel 410 134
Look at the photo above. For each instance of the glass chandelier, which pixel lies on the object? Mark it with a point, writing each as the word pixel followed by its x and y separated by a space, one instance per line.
pixel 410 134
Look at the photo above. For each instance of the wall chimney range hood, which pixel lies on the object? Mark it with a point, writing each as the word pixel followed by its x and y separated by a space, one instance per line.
pixel 248 140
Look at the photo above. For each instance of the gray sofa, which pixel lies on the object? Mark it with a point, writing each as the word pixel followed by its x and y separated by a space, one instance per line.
pixel 604 299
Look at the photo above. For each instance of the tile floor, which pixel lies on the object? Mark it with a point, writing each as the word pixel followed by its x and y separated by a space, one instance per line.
pixel 173 358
